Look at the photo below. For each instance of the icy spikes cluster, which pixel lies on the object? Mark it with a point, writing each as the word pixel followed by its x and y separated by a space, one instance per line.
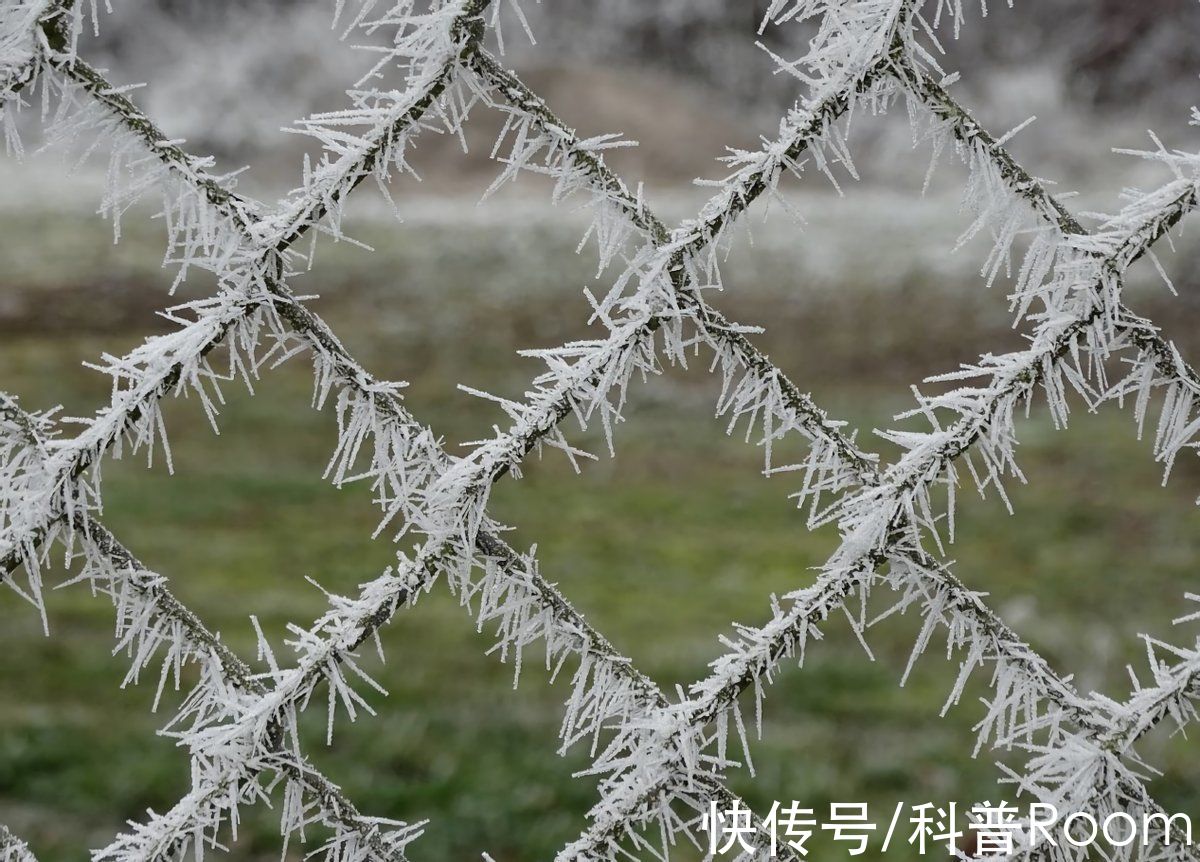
pixel 661 759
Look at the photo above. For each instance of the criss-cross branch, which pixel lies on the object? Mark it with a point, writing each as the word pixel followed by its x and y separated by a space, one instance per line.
pixel 1126 722
pixel 812 418
pixel 150 618
pixel 234 316
pixel 870 524
pixel 310 327
pixel 1006 643
pixel 464 492
pixel 445 498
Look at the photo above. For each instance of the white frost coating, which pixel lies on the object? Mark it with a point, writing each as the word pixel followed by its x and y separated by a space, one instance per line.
pixel 12 848
pixel 1001 203
pixel 246 306
pixel 155 629
pixel 54 499
pixel 660 761
pixel 890 520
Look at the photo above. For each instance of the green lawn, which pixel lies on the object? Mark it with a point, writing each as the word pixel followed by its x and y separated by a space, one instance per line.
pixel 661 547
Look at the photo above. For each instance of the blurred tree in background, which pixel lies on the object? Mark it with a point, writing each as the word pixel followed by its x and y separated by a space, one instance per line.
pixel 1110 51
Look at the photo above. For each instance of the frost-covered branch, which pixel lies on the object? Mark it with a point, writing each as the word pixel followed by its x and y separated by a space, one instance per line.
pixel 21 455
pixel 982 146
pixel 890 517
pixel 244 308
pixel 463 488
pixel 1083 770
pixel 608 187
pixel 161 366
pixel 1120 725
pixel 154 628
pixel 1173 696
pixel 12 848
pixel 28 29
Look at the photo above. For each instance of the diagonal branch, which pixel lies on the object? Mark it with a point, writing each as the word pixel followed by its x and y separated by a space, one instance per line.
pixel 1127 722
pixel 459 494
pixel 68 463
pixel 12 848
pixel 876 528
pixel 234 316
pixel 1006 643
pixel 150 617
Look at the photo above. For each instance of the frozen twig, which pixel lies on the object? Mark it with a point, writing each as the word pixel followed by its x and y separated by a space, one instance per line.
pixel 12 848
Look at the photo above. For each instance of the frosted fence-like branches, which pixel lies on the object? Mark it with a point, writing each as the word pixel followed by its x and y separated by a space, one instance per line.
pixel 295 813
pixel 661 762
pixel 1056 686
pixel 244 309
pixel 154 627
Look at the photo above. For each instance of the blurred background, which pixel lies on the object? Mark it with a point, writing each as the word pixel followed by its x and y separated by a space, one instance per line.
pixel 660 547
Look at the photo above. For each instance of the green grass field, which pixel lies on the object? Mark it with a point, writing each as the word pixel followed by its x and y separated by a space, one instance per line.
pixel 661 547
